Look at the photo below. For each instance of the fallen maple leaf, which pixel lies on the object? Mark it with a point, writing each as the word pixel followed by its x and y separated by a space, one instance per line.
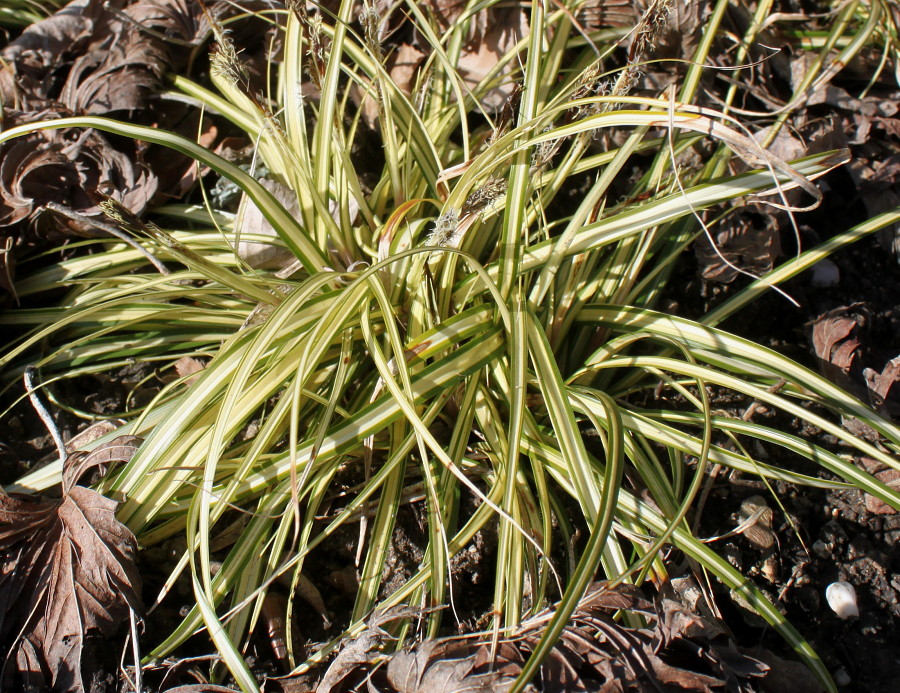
pixel 70 57
pixel 679 651
pixel 189 366
pixel 880 384
pixel 450 665
pixel 90 57
pixel 835 337
pixel 67 571
pixel 744 243
pixel 65 166
pixel 201 688
pixel 884 474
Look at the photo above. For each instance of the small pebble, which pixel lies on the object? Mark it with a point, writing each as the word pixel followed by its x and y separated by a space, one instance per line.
pixel 821 549
pixel 825 274
pixel 841 597
pixel 842 678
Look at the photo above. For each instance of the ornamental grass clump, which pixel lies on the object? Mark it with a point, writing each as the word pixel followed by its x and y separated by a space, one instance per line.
pixel 455 321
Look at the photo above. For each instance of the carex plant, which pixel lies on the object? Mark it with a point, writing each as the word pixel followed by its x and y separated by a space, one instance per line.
pixel 457 329
pixel 19 13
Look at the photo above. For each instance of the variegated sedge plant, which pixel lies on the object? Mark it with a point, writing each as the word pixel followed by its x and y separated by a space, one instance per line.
pixel 21 13
pixel 451 337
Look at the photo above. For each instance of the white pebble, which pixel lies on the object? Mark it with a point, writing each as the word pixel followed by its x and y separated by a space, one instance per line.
pixel 842 678
pixel 841 598
pixel 825 274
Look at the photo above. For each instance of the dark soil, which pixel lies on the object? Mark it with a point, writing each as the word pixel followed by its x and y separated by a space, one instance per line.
pixel 821 536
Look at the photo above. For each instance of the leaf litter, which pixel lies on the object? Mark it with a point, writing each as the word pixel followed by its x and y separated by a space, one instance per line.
pixel 68 573
pixel 676 649
pixel 89 58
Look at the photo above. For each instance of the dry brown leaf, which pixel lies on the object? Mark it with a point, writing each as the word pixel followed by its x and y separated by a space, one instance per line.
pixel 885 475
pixel 883 396
pixel 870 106
pixel 430 661
pixel 445 12
pixel 866 112
pixel 889 477
pixel 746 241
pixel 681 32
pixel 188 365
pixel 598 14
pixel 499 32
pixel 79 440
pixel 124 64
pixel 880 383
pixel 181 20
pixel 360 653
pixel 494 31
pixel 750 240
pixel 680 651
pixel 29 62
pixel 250 221
pixel 877 181
pixel 67 572
pixel 786 675
pixel 891 126
pixel 836 338
pixel 114 61
pixel 114 78
pixel 90 57
pixel 403 65
pixel 66 166
pixel 683 680
pixel 624 596
pixel 451 665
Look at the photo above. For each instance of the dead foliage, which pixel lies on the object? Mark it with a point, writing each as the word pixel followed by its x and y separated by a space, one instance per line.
pixel 884 474
pixel 595 14
pixel 188 367
pixel 836 338
pixel 200 688
pixel 492 32
pixel 90 58
pixel 881 383
pixel 877 182
pixel 834 112
pixel 839 339
pixel 676 650
pixel 746 241
pixel 67 574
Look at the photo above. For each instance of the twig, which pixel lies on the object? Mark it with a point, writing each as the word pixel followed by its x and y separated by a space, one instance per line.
pixel 111 230
pixel 43 413
pixel 136 651
pixel 756 405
